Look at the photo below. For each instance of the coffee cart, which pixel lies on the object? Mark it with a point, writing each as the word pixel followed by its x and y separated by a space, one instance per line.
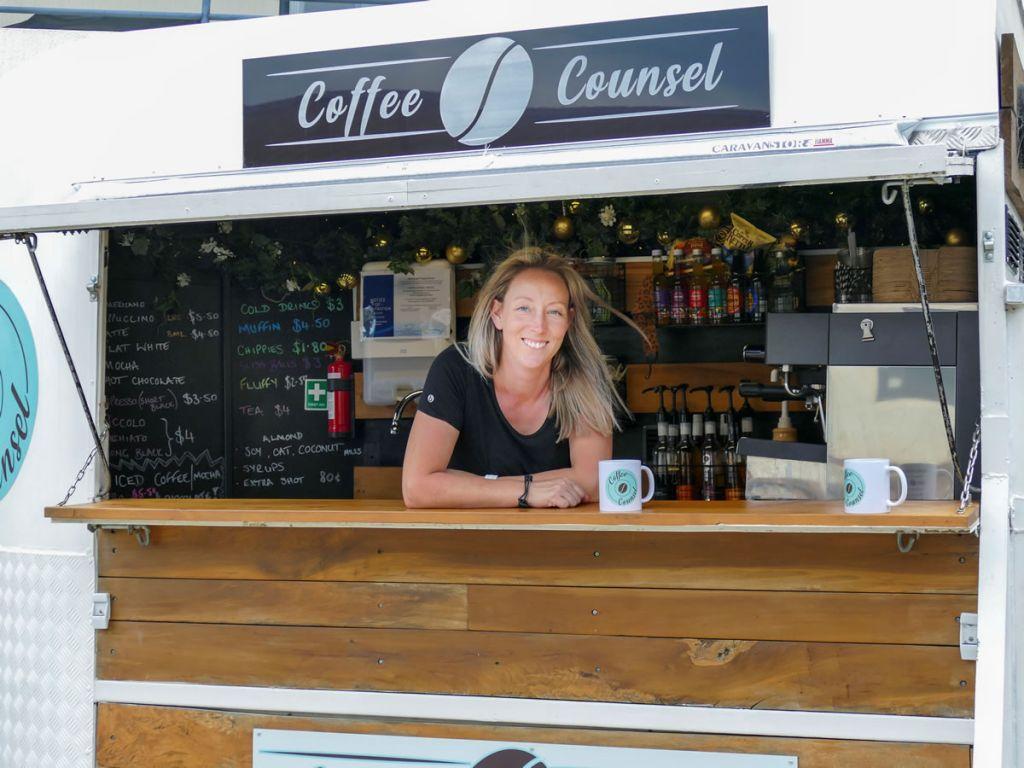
pixel 784 630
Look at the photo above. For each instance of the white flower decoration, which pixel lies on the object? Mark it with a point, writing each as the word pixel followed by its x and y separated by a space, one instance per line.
pixel 222 254
pixel 128 239
pixel 607 215
pixel 184 280
pixel 208 246
pixel 225 227
pixel 291 285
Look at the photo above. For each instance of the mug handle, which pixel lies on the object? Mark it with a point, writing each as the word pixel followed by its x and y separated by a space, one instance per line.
pixel 903 486
pixel 650 484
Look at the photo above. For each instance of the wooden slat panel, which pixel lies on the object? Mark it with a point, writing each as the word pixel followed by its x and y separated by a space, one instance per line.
pixel 377 482
pixel 803 562
pixel 696 375
pixel 324 604
pixel 748 615
pixel 163 737
pixel 364 411
pixel 835 677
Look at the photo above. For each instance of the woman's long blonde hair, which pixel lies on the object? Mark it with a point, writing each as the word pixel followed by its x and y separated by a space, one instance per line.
pixel 583 394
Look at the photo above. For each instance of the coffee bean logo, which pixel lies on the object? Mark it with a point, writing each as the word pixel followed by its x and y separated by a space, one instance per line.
pixel 511 758
pixel 621 487
pixel 486 91
pixel 853 488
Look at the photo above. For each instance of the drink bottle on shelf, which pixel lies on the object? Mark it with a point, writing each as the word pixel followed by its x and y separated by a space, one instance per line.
pixel 685 490
pixel 746 415
pixel 733 476
pixel 697 289
pixel 660 458
pixel 662 288
pixel 680 288
pixel 734 290
pixel 718 283
pixel 754 300
pixel 710 453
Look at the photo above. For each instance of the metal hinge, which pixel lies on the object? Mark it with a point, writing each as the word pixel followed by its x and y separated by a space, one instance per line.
pixel 100 610
pixel 969 636
pixel 140 532
pixel 93 288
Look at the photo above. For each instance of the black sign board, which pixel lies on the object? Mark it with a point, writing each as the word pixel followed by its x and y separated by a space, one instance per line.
pixel 660 76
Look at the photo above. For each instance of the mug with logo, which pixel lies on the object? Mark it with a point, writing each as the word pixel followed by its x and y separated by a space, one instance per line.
pixel 866 486
pixel 619 481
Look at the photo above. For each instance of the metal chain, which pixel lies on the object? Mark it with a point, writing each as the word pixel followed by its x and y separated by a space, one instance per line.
pixel 31 243
pixel 972 460
pixel 81 473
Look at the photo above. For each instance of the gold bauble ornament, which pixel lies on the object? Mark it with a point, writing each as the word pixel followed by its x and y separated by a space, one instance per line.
pixel 321 289
pixel 924 206
pixel 380 241
pixel 563 228
pixel 346 281
pixel 799 229
pixel 956 237
pixel 455 253
pixel 709 218
pixel 664 237
pixel 628 232
pixel 423 254
pixel 574 206
pixel 843 221
pixel 787 240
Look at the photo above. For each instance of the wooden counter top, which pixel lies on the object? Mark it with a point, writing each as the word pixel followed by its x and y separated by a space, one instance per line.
pixel 681 516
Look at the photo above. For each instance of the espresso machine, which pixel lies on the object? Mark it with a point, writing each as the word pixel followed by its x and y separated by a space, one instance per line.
pixel 880 397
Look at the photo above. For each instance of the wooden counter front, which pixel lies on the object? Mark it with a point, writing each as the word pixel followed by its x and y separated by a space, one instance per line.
pixel 678 516
pixel 777 605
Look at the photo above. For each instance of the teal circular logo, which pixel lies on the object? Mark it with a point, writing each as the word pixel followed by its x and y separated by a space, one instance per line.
pixel 853 488
pixel 621 486
pixel 19 388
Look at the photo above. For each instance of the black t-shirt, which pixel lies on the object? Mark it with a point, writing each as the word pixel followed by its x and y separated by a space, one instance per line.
pixel 454 392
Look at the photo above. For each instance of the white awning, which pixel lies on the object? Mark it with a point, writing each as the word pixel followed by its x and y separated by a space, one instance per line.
pixel 767 158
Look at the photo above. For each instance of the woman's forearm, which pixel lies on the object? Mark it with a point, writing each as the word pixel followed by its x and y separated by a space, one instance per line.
pixel 586 480
pixel 457 489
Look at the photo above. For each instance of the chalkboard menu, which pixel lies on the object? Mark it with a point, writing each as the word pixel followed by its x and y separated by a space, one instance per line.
pixel 278 360
pixel 164 385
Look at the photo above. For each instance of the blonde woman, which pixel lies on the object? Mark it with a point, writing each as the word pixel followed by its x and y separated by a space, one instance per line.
pixel 521 414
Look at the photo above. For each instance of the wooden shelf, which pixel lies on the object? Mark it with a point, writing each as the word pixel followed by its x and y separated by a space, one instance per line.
pixel 681 516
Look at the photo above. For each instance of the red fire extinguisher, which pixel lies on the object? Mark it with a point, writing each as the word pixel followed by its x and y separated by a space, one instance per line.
pixel 340 419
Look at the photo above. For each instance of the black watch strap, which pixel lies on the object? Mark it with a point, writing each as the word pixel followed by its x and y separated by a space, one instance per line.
pixel 527 479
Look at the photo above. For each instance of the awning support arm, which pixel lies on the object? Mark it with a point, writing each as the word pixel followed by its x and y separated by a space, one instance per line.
pixel 889 197
pixel 30 241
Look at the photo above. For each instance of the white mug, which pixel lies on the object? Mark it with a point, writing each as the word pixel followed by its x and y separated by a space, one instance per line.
pixel 866 486
pixel 619 481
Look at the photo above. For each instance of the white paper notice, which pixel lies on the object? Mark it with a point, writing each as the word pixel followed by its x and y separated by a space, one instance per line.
pixel 423 306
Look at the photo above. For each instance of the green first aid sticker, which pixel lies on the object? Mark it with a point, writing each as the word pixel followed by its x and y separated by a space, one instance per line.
pixel 316 394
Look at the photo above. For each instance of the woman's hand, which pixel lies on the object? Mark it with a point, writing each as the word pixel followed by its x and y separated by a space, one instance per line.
pixel 557 492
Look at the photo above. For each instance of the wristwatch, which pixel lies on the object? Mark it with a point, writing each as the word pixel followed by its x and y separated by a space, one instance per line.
pixel 523 503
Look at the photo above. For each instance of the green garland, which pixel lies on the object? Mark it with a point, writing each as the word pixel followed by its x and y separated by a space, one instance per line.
pixel 281 256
